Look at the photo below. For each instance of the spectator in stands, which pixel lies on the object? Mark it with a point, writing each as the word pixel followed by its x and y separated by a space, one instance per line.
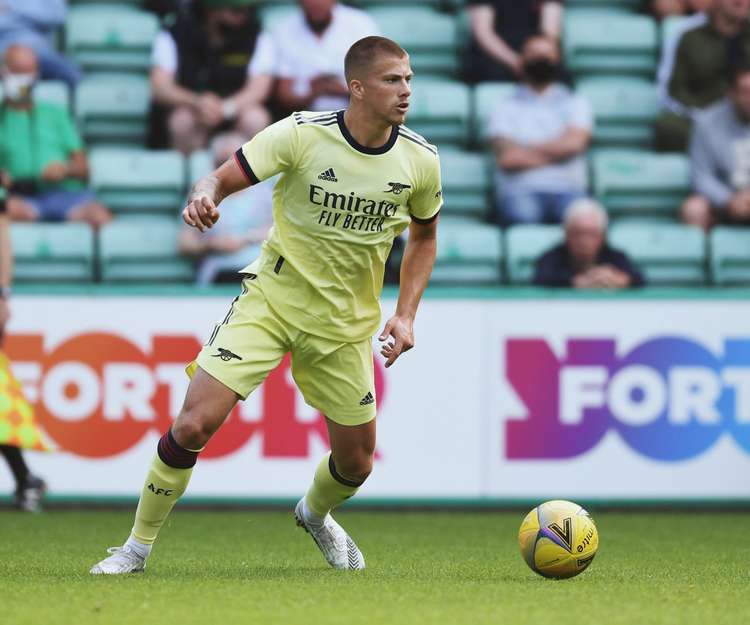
pixel 675 8
pixel 311 45
pixel 720 158
pixel 703 59
pixel 499 29
pixel 694 14
pixel 33 23
pixel 41 151
pixel 585 260
pixel 211 73
pixel 539 136
pixel 236 239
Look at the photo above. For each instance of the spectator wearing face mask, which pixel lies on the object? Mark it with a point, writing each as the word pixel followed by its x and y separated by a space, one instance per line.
pixel 41 153
pixel 33 23
pixel 311 45
pixel 539 136
pixel 211 73
pixel 499 29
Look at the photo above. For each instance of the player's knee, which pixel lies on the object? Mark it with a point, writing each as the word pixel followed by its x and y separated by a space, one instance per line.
pixel 696 211
pixel 191 430
pixel 355 467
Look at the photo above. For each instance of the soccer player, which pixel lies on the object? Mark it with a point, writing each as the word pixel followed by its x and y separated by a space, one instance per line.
pixel 351 181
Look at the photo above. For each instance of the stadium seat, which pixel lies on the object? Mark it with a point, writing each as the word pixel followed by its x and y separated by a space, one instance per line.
pixel 466 183
pixel 108 38
pixel 625 110
pixel 155 257
pixel 47 253
pixel 139 181
pixel 52 91
pixel 271 15
pixel 467 253
pixel 730 256
pixel 113 109
pixel 524 244
pixel 486 98
pixel 610 42
pixel 641 184
pixel 440 110
pixel 668 254
pixel 429 36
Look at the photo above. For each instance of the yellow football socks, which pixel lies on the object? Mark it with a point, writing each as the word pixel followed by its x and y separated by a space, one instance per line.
pixel 329 489
pixel 164 486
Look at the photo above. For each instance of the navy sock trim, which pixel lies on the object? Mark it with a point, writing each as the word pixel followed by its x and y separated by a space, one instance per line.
pixel 339 478
pixel 173 455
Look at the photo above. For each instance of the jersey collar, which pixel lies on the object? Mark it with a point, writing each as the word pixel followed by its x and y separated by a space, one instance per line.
pixel 362 148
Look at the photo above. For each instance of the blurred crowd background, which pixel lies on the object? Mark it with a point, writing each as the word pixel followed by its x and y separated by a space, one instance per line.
pixel 585 143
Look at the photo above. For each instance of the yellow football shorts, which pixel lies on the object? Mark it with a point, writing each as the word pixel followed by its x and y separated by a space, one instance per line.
pixel 338 379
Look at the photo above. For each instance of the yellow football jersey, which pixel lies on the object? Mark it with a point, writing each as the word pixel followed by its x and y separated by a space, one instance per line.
pixel 337 208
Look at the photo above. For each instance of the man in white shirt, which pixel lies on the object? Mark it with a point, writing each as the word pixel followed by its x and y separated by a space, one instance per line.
pixel 211 72
pixel 311 45
pixel 539 133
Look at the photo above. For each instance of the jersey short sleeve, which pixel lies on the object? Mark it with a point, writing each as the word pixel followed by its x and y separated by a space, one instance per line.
pixel 427 198
pixel 69 135
pixel 270 152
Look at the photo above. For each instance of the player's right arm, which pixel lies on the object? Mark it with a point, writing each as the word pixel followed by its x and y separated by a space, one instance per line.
pixel 201 211
pixel 273 150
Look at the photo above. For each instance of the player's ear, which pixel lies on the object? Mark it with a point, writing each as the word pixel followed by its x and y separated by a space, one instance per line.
pixel 356 89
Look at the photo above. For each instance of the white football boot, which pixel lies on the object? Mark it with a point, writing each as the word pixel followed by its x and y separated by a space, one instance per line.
pixel 337 546
pixel 122 560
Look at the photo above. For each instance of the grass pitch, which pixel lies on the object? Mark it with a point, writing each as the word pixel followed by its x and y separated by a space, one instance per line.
pixel 433 568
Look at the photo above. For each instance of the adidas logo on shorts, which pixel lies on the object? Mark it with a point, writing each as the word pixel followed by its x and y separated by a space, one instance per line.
pixel 328 175
pixel 367 400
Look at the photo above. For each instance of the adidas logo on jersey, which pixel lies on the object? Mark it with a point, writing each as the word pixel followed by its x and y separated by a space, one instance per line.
pixel 328 175
pixel 367 400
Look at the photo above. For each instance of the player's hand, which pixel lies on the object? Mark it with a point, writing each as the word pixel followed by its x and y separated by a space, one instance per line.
pixel 401 330
pixel 201 213
pixel 55 172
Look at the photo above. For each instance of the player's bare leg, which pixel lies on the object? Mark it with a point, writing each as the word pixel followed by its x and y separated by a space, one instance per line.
pixel 338 477
pixel 207 404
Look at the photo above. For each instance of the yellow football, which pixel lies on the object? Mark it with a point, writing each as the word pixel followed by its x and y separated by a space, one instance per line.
pixel 558 539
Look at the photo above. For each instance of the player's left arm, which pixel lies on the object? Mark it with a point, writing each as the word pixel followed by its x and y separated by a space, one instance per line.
pixel 416 267
pixel 418 260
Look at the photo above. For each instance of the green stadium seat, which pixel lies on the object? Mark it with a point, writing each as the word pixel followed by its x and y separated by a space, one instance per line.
pixel 625 110
pixel 107 38
pixel 668 254
pixel 440 110
pixel 139 181
pixel 486 98
pixel 607 42
pixel 272 15
pixel 466 183
pixel 113 109
pixel 730 256
pixel 200 164
pixel 53 253
pixel 467 253
pixel 641 184
pixel 524 244
pixel 430 37
pixel 143 250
